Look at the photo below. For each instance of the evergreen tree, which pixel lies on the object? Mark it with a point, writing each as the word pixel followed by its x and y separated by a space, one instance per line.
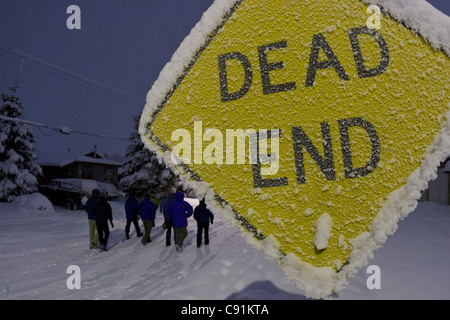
pixel 142 171
pixel 18 172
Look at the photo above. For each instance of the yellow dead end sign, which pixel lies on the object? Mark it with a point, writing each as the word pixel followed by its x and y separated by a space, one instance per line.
pixel 305 126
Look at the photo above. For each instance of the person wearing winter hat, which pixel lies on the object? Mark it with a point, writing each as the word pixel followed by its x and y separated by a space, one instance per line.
pixel 178 212
pixel 203 216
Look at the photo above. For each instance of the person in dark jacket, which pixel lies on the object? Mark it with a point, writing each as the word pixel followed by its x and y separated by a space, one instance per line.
pixel 93 233
pixel 163 205
pixel 131 212
pixel 178 212
pixel 147 211
pixel 103 214
pixel 203 216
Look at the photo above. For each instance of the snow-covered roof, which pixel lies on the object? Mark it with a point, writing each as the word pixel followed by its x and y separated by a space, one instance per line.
pixel 55 159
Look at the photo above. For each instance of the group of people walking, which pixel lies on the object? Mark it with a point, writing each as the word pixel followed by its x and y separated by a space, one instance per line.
pixel 175 209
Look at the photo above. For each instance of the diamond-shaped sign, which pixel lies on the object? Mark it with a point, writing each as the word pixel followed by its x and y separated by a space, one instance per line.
pixel 308 127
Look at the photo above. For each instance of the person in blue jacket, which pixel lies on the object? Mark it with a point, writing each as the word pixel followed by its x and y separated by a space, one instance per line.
pixel 131 212
pixel 203 216
pixel 178 212
pixel 93 233
pixel 147 211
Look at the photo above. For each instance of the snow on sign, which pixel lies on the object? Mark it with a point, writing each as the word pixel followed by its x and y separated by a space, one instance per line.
pixel 305 126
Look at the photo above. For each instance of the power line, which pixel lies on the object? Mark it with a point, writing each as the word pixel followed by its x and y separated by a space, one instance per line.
pixel 62 130
pixel 19 56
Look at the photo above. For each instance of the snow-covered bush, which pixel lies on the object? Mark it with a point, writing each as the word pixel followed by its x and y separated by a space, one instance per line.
pixel 35 202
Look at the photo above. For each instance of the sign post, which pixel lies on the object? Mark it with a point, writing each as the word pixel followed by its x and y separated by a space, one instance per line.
pixel 311 131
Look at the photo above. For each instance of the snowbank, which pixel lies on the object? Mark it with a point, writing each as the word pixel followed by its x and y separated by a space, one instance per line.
pixel 34 203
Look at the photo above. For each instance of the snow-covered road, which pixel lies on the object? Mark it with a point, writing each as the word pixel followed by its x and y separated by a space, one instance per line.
pixel 37 247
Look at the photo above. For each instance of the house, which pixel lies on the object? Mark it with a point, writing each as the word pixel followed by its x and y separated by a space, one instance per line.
pixel 439 189
pixel 85 165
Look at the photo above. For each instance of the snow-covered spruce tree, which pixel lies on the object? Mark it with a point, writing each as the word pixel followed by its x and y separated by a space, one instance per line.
pixel 142 172
pixel 18 172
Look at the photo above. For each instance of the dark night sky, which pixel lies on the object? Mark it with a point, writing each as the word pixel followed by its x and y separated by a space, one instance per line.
pixel 122 46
